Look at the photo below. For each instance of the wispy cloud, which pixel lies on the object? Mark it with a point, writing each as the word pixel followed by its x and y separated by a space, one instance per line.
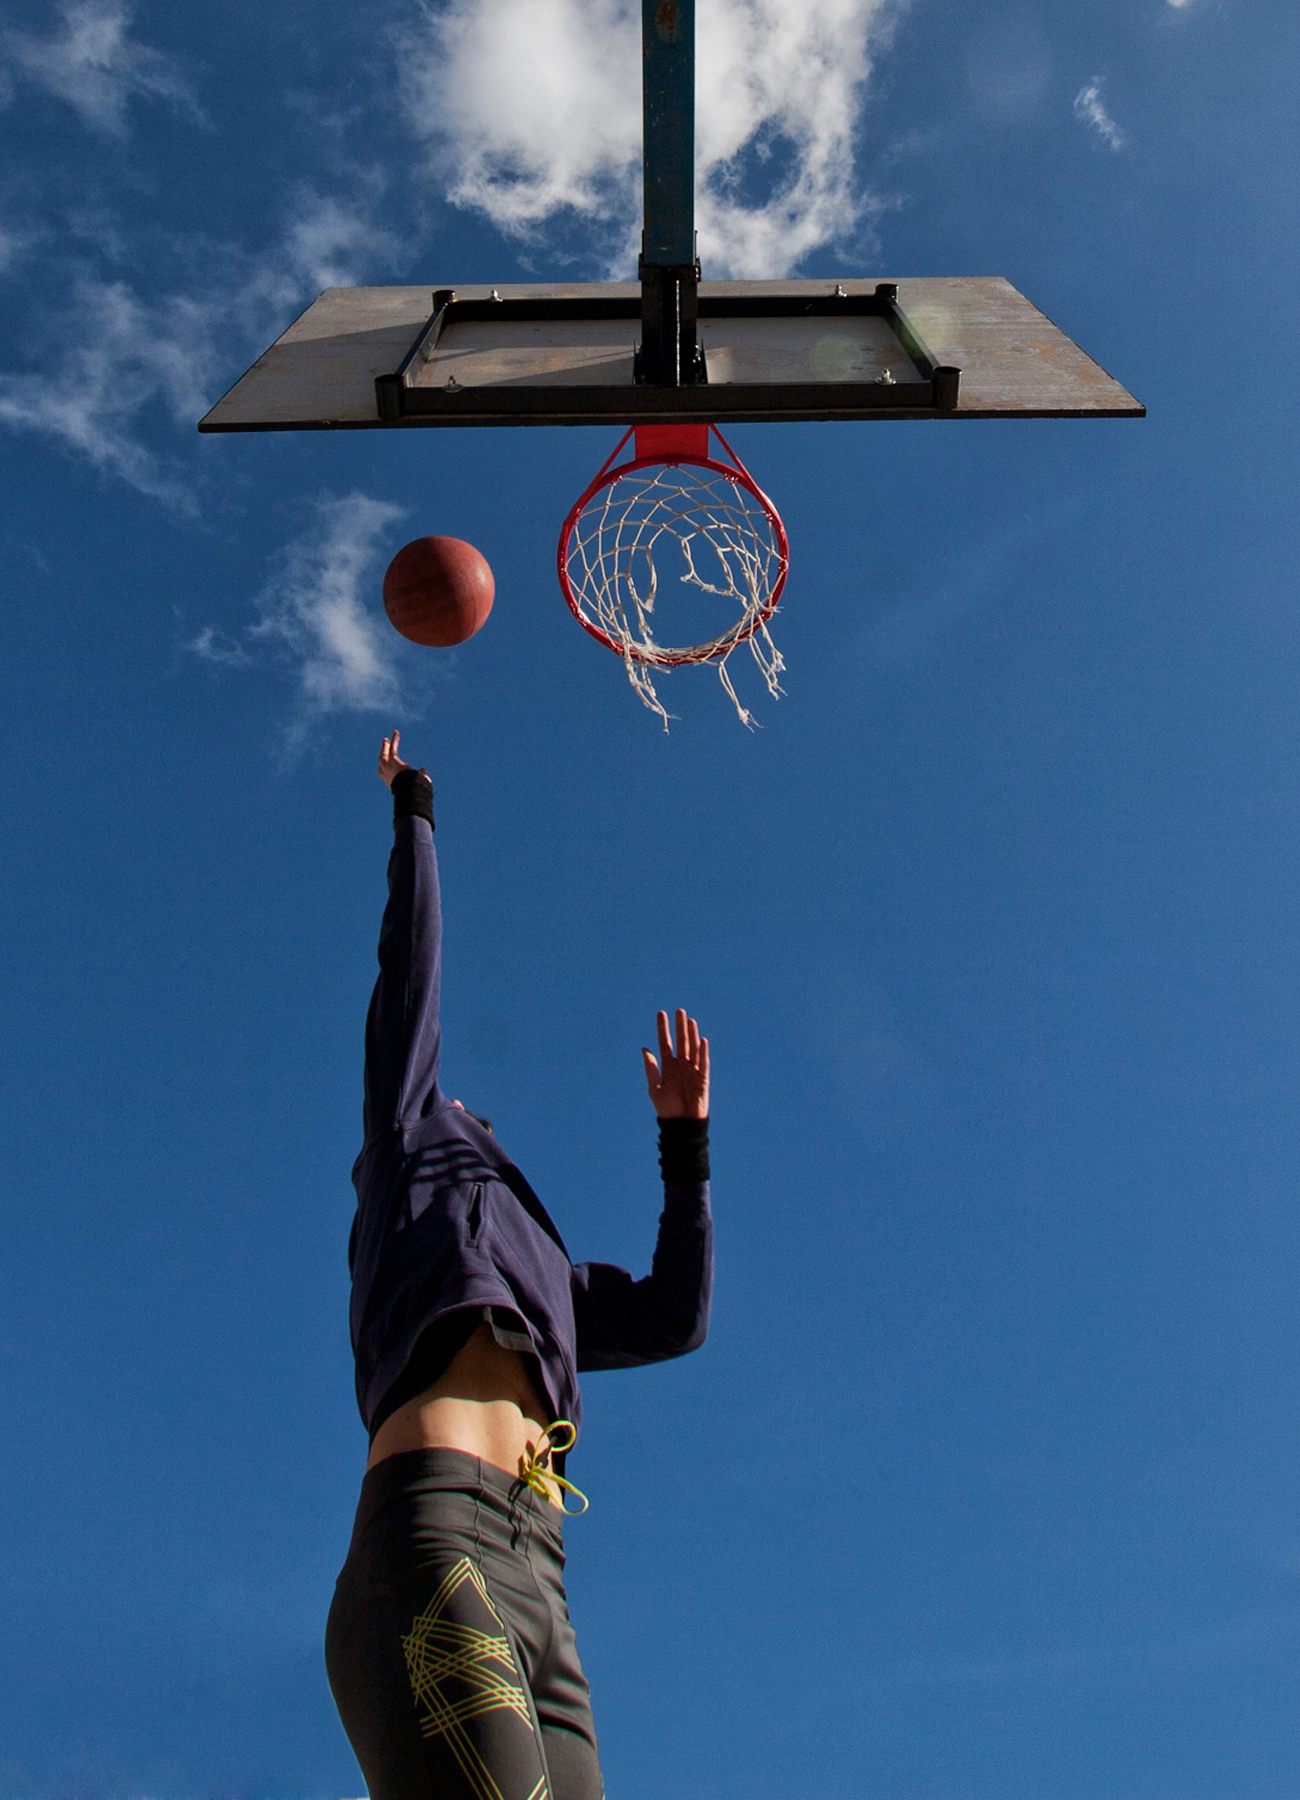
pixel 14 245
pixel 1088 107
pixel 328 242
pixel 124 357
pixel 95 66
pixel 315 620
pixel 532 110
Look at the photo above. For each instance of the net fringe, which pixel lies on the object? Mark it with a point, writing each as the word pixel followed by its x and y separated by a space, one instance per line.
pixel 614 540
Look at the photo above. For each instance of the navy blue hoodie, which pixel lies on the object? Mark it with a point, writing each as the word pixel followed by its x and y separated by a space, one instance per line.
pixel 447 1224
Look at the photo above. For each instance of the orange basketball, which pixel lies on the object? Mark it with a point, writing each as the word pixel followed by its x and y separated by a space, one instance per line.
pixel 438 590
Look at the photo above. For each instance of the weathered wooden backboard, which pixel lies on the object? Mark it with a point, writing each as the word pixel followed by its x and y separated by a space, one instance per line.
pixel 960 347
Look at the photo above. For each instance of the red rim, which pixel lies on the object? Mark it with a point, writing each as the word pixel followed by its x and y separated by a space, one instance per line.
pixel 736 472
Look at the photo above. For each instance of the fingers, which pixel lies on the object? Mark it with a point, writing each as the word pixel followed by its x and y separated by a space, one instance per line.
pixel 652 1079
pixel 691 1048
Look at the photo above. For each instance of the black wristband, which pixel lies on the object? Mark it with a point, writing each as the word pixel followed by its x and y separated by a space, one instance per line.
pixel 684 1149
pixel 412 796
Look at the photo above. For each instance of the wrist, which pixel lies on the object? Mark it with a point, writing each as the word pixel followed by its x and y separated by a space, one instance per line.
pixel 684 1149
pixel 412 793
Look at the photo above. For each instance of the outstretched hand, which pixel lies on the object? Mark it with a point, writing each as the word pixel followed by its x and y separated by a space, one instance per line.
pixel 679 1079
pixel 390 763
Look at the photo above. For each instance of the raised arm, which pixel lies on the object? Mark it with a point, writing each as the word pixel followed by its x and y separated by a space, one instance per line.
pixel 622 1322
pixel 403 1036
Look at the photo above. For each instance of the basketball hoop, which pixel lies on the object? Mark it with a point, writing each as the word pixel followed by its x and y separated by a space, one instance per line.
pixel 672 503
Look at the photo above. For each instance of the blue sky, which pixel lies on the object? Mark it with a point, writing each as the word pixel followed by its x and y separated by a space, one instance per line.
pixel 986 1484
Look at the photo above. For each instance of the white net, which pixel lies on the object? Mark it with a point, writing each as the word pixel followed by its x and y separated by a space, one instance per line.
pixel 712 532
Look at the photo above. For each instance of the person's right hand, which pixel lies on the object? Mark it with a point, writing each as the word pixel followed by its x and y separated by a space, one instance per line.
pixel 679 1079
pixel 390 763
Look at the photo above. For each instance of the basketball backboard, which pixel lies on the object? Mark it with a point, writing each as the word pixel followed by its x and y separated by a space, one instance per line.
pixel 556 354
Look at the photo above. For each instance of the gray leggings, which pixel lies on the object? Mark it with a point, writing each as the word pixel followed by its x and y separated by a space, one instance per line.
pixel 449 1648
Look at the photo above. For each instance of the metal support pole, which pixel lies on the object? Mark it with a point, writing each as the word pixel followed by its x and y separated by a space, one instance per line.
pixel 669 355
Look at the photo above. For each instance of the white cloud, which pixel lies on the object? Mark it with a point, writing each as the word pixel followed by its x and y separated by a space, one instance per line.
pixel 533 110
pixel 121 358
pixel 94 65
pixel 1089 108
pixel 314 616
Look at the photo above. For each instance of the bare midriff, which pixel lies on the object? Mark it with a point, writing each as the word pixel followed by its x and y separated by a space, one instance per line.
pixel 485 1404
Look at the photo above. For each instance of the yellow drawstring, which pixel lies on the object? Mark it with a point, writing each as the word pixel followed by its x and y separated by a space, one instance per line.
pixel 533 1470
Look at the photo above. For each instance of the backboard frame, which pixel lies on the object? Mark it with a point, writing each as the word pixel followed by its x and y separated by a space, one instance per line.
pixel 400 396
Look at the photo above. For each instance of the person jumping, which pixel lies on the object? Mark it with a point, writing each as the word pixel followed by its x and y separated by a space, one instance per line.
pixel 449 1648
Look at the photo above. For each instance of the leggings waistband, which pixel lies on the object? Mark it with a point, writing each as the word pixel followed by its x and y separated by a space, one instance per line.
pixel 410 1473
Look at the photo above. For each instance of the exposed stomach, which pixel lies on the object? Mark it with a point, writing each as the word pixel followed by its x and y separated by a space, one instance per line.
pixel 485 1403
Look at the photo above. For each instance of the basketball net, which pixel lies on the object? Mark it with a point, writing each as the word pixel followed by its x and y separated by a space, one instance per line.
pixel 673 510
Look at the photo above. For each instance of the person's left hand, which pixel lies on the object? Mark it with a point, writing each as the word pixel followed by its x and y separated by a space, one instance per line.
pixel 679 1080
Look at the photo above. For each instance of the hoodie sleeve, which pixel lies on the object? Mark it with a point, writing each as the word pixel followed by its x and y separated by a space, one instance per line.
pixel 403 1034
pixel 622 1322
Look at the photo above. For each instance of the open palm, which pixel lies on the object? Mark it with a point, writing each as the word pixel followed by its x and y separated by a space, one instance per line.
pixel 678 1079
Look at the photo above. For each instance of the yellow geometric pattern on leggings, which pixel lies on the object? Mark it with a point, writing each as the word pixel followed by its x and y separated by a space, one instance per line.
pixel 458 1674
